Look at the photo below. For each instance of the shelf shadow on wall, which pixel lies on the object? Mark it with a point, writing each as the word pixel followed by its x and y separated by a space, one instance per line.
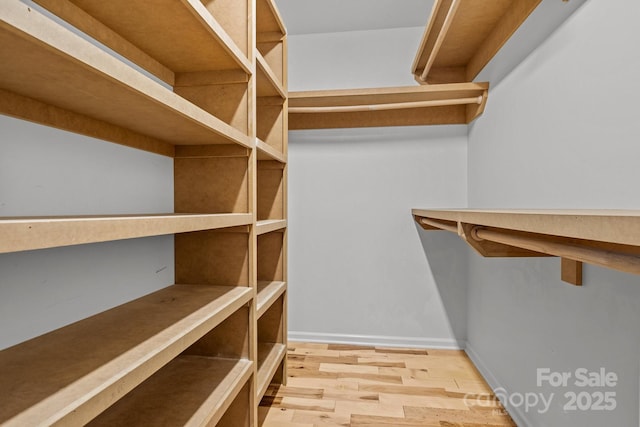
pixel 447 257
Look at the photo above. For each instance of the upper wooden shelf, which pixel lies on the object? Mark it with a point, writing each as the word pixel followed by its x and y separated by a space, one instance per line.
pixel 169 38
pixel 608 238
pixel 51 76
pixel 29 233
pixel 462 36
pixel 70 375
pixel 395 106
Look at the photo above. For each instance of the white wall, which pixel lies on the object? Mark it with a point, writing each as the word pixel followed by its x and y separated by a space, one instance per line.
pixel 358 268
pixel 353 59
pixel 44 171
pixel 561 131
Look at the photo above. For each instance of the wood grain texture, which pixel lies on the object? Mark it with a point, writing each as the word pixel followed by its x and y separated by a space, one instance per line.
pixel 355 386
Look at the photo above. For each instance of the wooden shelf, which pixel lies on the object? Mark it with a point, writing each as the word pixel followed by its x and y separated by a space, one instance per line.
pixel 186 37
pixel 270 225
pixel 270 356
pixel 28 233
pixel 72 374
pixel 397 106
pixel 94 93
pixel 267 152
pixel 269 24
pixel 267 82
pixel 462 36
pixel 189 390
pixel 268 293
pixel 607 238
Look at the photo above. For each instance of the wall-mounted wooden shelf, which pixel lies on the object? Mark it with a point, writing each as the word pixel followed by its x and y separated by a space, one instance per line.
pixel 29 233
pixel 397 106
pixel 462 36
pixel 270 225
pixel 186 36
pixel 270 357
pixel 268 293
pixel 72 374
pixel 94 93
pixel 607 238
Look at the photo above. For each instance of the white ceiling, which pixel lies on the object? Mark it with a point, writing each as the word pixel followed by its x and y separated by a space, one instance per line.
pixel 329 16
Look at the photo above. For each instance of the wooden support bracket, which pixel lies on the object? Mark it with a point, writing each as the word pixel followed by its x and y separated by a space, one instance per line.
pixel 571 271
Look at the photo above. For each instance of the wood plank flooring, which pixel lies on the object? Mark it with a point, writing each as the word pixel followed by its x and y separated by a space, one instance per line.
pixel 344 385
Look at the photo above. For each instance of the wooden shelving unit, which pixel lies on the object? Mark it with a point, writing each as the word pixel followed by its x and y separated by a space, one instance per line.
pixel 607 238
pixel 205 85
pixel 462 36
pixel 398 106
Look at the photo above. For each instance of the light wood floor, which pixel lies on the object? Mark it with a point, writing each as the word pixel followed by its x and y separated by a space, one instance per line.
pixel 342 385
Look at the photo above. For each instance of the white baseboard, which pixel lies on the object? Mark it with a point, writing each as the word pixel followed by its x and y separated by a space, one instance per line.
pixel 377 340
pixel 515 412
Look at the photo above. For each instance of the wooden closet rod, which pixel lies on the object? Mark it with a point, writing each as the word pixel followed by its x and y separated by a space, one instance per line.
pixel 439 224
pixel 441 35
pixel 601 257
pixel 390 106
